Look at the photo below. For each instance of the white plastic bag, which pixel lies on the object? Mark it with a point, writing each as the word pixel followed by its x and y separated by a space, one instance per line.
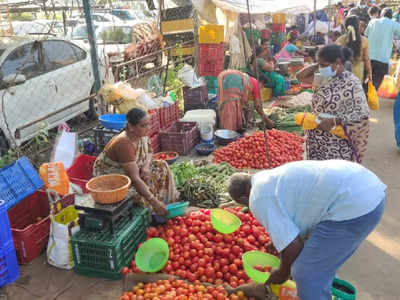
pixel 189 77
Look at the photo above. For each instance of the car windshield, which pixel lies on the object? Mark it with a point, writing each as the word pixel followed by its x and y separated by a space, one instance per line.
pixel 116 35
pixel 126 15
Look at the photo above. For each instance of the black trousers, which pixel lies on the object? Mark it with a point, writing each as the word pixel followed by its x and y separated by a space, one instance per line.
pixel 379 70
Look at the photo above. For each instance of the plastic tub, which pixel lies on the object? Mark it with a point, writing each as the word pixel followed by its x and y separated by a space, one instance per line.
pixel 152 255
pixel 253 258
pixel 176 209
pixel 170 157
pixel 224 221
pixel 113 121
pixel 81 170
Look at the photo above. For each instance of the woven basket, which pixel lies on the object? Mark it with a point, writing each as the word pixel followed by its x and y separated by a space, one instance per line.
pixel 109 189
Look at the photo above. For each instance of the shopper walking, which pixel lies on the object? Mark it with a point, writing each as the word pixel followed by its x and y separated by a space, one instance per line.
pixel 337 203
pixel 381 33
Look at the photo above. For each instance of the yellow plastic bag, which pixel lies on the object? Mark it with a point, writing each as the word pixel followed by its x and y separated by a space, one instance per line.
pixel 388 88
pixel 308 122
pixel 373 98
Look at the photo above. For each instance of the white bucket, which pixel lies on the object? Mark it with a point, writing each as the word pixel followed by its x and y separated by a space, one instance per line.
pixel 206 132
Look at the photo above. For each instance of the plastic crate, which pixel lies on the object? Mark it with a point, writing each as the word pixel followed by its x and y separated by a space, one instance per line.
pixel 5 232
pixel 176 13
pixel 279 18
pixel 154 115
pixel 9 271
pixel 102 136
pixel 210 67
pixel 81 170
pixel 155 143
pixel 195 98
pixel 278 27
pixel 103 254
pixel 212 84
pixel 180 137
pixel 30 224
pixel 177 26
pixel 211 34
pixel 211 52
pixel 265 34
pixel 17 181
pixel 168 115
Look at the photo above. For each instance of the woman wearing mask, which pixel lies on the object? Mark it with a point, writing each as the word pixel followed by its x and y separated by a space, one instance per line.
pixel 342 97
pixel 359 45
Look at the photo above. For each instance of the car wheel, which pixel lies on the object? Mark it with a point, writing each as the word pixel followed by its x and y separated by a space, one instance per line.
pixel 94 110
pixel 4 145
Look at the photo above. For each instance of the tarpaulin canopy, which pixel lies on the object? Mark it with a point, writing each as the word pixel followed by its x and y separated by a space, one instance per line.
pixel 266 6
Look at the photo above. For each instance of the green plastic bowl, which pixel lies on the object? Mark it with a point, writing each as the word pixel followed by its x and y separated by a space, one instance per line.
pixel 152 256
pixel 342 289
pixel 224 221
pixel 176 209
pixel 253 258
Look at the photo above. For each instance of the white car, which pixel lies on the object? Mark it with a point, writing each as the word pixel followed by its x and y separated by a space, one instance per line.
pixel 38 27
pixel 40 81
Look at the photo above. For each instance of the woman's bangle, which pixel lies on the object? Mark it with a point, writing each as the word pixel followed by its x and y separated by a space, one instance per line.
pixel 334 122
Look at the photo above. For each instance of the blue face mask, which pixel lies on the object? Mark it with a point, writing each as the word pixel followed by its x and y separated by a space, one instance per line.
pixel 327 72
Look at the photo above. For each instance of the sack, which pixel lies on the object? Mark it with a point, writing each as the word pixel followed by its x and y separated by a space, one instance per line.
pixel 388 88
pixel 55 177
pixel 396 118
pixel 373 98
pixel 64 223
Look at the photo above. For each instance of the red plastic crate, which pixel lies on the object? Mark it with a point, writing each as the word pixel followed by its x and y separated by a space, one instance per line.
pixel 81 170
pixel 30 224
pixel 155 142
pixel 278 27
pixel 180 137
pixel 154 121
pixel 265 34
pixel 211 51
pixel 210 67
pixel 168 115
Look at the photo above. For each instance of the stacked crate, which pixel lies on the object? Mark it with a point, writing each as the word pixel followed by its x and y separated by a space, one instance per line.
pixel 278 29
pixel 211 50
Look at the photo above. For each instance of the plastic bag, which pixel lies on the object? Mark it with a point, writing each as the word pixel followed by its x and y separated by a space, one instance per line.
pixel 122 96
pixel 55 177
pixel 308 122
pixel 189 77
pixel 396 118
pixel 388 88
pixel 373 98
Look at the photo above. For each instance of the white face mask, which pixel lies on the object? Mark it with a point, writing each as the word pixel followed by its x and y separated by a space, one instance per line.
pixel 327 72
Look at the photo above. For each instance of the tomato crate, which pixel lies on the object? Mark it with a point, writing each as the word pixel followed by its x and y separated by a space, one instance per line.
pixel 211 34
pixel 103 254
pixel 9 270
pixel 195 98
pixel 210 67
pixel 168 115
pixel 81 170
pixel 154 115
pixel 30 224
pixel 180 137
pixel 5 232
pixel 17 181
pixel 278 27
pixel 207 52
pixel 155 143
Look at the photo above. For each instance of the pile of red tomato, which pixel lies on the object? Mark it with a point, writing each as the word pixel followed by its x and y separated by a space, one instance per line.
pixel 250 151
pixel 173 289
pixel 200 254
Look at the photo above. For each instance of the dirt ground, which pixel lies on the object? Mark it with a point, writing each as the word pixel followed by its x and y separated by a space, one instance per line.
pixel 374 269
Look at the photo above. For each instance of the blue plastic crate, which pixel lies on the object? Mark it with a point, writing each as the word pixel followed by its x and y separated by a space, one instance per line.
pixel 9 270
pixel 18 181
pixel 5 232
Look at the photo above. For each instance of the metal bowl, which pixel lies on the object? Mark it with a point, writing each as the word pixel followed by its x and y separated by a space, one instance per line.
pixel 226 136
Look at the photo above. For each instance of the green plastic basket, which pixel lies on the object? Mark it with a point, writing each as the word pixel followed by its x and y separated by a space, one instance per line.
pixel 152 255
pixel 224 221
pixel 253 258
pixel 103 254
pixel 338 294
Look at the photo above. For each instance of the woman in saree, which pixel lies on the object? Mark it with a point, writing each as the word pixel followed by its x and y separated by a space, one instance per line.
pixel 238 97
pixel 130 153
pixel 263 65
pixel 342 97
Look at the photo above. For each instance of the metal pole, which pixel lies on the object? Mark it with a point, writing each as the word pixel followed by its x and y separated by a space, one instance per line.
pixel 258 77
pixel 329 17
pixel 93 44
pixel 315 17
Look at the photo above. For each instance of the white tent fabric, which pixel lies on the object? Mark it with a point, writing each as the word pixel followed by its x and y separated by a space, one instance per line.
pixel 266 6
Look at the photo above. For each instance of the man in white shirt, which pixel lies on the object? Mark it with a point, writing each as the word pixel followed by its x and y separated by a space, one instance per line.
pixel 336 202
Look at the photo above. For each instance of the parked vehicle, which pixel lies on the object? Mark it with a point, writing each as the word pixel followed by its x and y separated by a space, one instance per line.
pixel 38 27
pixel 39 79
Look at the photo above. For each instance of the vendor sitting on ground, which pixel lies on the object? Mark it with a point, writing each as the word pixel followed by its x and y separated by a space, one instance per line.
pixel 262 64
pixel 235 108
pixel 289 50
pixel 336 202
pixel 129 153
